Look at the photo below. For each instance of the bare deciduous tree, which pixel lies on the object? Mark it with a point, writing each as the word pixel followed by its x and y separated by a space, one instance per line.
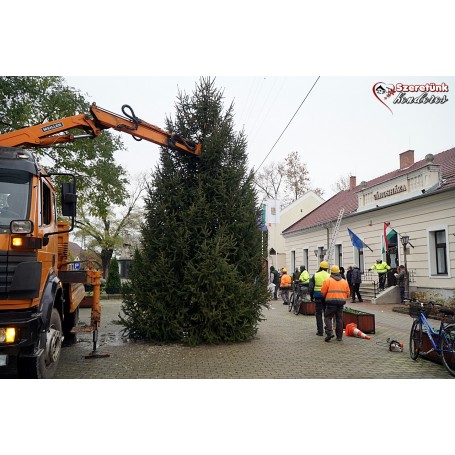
pixel 269 181
pixel 343 183
pixel 287 180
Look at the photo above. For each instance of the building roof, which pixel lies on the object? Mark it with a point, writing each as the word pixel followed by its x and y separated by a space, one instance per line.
pixel 348 199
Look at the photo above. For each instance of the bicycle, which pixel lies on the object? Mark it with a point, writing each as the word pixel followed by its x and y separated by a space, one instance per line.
pixel 442 342
pixel 298 295
pixel 294 298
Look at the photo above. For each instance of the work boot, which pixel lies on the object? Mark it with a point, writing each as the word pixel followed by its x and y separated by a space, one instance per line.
pixel 319 334
pixel 329 337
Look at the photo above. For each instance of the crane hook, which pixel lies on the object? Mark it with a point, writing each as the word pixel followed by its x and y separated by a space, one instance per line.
pixel 133 118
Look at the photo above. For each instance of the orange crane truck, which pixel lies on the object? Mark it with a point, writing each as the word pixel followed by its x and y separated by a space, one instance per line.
pixel 39 294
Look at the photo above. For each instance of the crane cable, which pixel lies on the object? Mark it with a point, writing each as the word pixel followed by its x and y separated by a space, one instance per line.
pixel 292 118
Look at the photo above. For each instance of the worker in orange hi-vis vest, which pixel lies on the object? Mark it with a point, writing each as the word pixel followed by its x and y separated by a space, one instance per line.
pixel 335 291
pixel 285 286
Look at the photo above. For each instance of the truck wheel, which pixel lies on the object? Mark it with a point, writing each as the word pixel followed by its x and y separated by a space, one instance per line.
pixel 45 366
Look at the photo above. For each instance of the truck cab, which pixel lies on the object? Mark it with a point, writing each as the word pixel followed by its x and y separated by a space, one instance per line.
pixel 32 249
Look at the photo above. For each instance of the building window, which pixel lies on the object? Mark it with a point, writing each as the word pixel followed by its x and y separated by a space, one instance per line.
pixel 359 259
pixel 441 252
pixel 437 242
pixel 292 262
pixel 339 255
pixel 305 257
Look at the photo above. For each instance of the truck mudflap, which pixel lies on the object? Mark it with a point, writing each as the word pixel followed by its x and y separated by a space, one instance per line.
pixel 49 299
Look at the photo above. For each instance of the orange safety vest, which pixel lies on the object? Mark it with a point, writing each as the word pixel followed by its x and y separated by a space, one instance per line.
pixel 285 281
pixel 335 291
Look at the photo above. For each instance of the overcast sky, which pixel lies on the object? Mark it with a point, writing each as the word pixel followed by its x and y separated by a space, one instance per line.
pixel 341 128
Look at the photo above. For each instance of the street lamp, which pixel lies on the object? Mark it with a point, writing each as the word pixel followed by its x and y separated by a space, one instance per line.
pixel 405 242
pixel 320 253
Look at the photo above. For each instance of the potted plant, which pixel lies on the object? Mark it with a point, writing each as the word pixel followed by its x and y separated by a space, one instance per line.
pixel 307 307
pixel 365 321
pixel 427 352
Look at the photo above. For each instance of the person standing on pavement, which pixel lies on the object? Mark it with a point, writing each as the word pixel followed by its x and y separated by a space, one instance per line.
pixel 349 278
pixel 335 291
pixel 381 267
pixel 400 276
pixel 356 279
pixel 275 279
pixel 319 277
pixel 342 273
pixel 296 275
pixel 304 280
pixel 285 286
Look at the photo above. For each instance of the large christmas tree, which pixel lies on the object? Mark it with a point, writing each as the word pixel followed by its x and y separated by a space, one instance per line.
pixel 198 276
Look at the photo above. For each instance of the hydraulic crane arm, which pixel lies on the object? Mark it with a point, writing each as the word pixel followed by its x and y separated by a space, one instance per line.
pixel 57 131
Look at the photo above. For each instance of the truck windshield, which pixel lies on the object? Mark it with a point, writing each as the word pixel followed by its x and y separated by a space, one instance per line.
pixel 14 195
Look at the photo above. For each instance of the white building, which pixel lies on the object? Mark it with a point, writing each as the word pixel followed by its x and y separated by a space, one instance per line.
pixel 418 200
pixel 283 218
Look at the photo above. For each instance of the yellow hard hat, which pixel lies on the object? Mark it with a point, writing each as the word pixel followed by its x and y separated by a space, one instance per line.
pixel 324 265
pixel 334 269
pixel 284 270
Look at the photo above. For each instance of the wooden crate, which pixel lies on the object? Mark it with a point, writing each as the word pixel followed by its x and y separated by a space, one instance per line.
pixel 432 355
pixel 365 321
pixel 308 308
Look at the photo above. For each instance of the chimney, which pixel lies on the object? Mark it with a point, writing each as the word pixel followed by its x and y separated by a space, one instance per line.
pixel 406 159
pixel 352 182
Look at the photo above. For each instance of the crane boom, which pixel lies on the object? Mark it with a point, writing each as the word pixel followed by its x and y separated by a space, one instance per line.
pixel 58 131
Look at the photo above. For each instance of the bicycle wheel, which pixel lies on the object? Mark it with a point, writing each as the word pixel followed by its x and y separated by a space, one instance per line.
pixel 297 305
pixel 448 348
pixel 291 300
pixel 415 339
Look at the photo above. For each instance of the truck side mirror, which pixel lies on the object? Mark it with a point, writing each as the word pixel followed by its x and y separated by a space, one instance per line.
pixel 69 199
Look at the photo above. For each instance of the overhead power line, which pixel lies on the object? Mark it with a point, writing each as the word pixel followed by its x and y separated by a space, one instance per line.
pixel 292 118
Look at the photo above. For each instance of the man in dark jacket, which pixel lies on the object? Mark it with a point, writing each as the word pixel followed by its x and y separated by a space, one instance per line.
pixel 356 279
pixel 400 276
pixel 349 278
pixel 275 279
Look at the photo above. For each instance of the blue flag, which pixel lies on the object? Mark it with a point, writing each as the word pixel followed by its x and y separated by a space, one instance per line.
pixel 357 242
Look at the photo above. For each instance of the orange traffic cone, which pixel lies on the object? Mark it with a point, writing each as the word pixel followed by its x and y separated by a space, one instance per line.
pixel 349 328
pixel 353 331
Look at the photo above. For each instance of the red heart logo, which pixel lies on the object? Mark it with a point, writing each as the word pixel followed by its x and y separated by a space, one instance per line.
pixel 383 92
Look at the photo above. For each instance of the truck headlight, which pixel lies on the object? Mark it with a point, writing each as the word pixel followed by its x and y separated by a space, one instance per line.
pixel 21 226
pixel 7 335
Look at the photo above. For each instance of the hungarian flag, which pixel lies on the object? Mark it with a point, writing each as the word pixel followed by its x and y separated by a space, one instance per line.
pixel 388 234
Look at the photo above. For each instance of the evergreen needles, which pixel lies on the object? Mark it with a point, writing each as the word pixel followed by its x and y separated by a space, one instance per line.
pixel 198 276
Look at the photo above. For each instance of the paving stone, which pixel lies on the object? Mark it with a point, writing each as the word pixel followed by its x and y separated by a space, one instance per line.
pixel 286 347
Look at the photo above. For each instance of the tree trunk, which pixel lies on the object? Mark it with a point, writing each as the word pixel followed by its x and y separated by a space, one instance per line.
pixel 106 256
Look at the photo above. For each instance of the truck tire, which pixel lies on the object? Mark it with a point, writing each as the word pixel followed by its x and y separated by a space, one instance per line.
pixel 45 366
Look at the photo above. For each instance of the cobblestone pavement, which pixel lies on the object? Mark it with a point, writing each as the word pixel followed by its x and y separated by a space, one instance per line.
pixel 286 347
